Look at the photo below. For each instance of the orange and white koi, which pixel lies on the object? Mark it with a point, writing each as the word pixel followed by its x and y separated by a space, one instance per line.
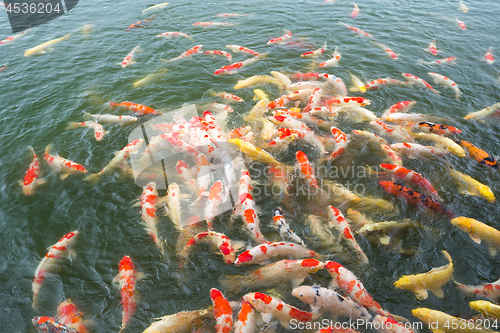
pixel 140 24
pixel 389 325
pixel 181 322
pixel 488 57
pixel 432 48
pixel 322 299
pixel 247 319
pixel 410 176
pixel 341 142
pixel 98 130
pixel 227 96
pixel 462 7
pixel 248 209
pixel 31 178
pixel 170 34
pixel 216 196
pixel 213 24
pixel 346 101
pixel 69 315
pixel 355 11
pixel 51 325
pixel 387 50
pixel 283 227
pixel 11 39
pixel 235 67
pixel 460 24
pixel 218 107
pixel 415 150
pixel 240 132
pixel 314 53
pixel 394 133
pixel 400 107
pixel 129 59
pixel 443 80
pixel 478 154
pixel 404 118
pixel 264 252
pixel 333 61
pixel 446 61
pixel 493 110
pixel 138 109
pixel 438 129
pixel 489 290
pixel 194 50
pixel 149 202
pixel 338 221
pixel 379 83
pixel 357 30
pixel 111 118
pixel 221 53
pixel 241 49
pixel 418 82
pixel 306 170
pixel 223 312
pixel 216 240
pixel 284 271
pixel 415 198
pixel 127 278
pixel 279 40
pixel 122 155
pixel 59 164
pixel 277 308
pixel 63 249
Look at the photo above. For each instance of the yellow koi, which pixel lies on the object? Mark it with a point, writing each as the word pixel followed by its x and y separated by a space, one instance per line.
pixel 470 186
pixel 479 231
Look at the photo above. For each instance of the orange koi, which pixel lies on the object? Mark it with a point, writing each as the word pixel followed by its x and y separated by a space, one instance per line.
pixel 488 57
pixel 223 312
pixel 306 170
pixel 411 176
pixel 140 24
pixel 139 109
pixel 31 178
pixel 438 129
pixel 478 154
pixel 59 164
pixel 218 240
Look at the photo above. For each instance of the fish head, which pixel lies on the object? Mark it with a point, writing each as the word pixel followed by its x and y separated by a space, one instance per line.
pixel 479 305
pixel 333 268
pixel 388 186
pixel 126 264
pixel 404 283
pixel 302 292
pixel 312 265
pixel 462 223
pixel 423 314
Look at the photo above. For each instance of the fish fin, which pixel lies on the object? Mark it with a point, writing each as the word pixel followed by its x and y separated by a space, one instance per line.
pixel 315 309
pixel 493 251
pixel 385 240
pixel 421 294
pixel 238 245
pixel 132 62
pixel 72 255
pixel 398 318
pixel 20 182
pixel 438 292
pixel 297 282
pixel 140 276
pixel 475 239
pixel 63 176
pixel 266 317
pixel 86 115
pixel 93 178
pixel 41 181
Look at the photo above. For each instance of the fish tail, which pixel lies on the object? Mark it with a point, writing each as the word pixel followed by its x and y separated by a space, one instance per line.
pixel 32 150
pixel 67 36
pixel 447 255
pixel 73 125
pixel 93 178
pixel 86 115
pixel 48 149
pixel 324 46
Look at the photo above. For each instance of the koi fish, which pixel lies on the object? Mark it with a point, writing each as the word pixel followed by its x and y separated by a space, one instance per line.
pixel 51 325
pixel 431 281
pixel 174 206
pixel 415 150
pixel 283 312
pixel 438 129
pixel 111 119
pixel 254 152
pixel 357 30
pixel 333 61
pixel 149 202
pixel 399 107
pixel 140 24
pixel 488 57
pixel 265 252
pixel 11 39
pixel 432 48
pixel 443 80
pixel 487 309
pixel 460 24
pixel 306 170
pixel 470 186
pixel 127 278
pixel 194 50
pixel 486 112
pixel 69 315
pixel 415 198
pixel 122 155
pixel 241 49
pixel 443 322
pixel 59 164
pixel 235 67
pixel 478 232
pixel 389 325
pixel 448 61
pixel 391 155
pixel 170 34
pixel 462 7
pixel 216 196
pixel 346 101
pixel 410 176
pixel 338 221
pixel 181 322
pixel 387 50
pixel 223 312
pixel 231 15
pixel 279 40
pixel 256 79
pixel 395 133
pixel 31 178
pixel 379 83
pixel 216 240
pixel 213 24
pixel 284 271
pixel 358 85
pixel 490 290
pixel 444 142
pixel 98 130
pixel 418 82
pixel 3 67
pixel 405 118
pixel 341 140
pixel 227 96
pixel 320 298
pixel 155 7
pixel 63 249
pixel 248 210
pixel 45 46
pixel 314 53
pixel 247 319
pixel 283 227
pixel 478 154
pixel 221 53
pixel 355 11
pixel 139 109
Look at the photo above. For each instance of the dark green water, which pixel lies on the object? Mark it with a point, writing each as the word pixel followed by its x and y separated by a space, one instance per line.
pixel 39 95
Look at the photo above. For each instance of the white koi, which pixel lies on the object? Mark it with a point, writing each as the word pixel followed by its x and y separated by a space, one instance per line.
pixel 338 221
pixel 44 46
pixel 333 61
pixel 443 80
pixel 98 130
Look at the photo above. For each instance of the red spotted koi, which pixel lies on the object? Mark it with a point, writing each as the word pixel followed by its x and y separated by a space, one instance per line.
pixel 265 252
pixel 149 203
pixel 387 50
pixel 129 59
pixel 306 169
pixel 235 67
pixel 51 325
pixel 410 176
pixel 357 30
pixel 216 196
pixel 279 40
pixel 444 61
pixel 138 109
pixel 69 315
pixel 194 50
pixel 460 24
pixel 221 53
pixel 432 48
pixel 314 53
pixel 63 249
pixel 216 240
pixel 395 133
pixel 98 130
pixel 59 164
pixel 241 49
pixel 333 61
pixel 379 83
pixel 399 107
pixel 341 141
pixel 490 290
pixel 11 39
pixel 227 96
pixel 248 209
pixel 231 15
pixel 418 82
pixel 488 57
pixel 445 81
pixel 31 178
pixel 277 308
pixel 346 101
pixel 355 11
pixel 247 319
pixel 223 312
pixel 415 150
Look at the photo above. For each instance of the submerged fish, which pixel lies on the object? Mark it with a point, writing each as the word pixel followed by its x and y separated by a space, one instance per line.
pixel 45 46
